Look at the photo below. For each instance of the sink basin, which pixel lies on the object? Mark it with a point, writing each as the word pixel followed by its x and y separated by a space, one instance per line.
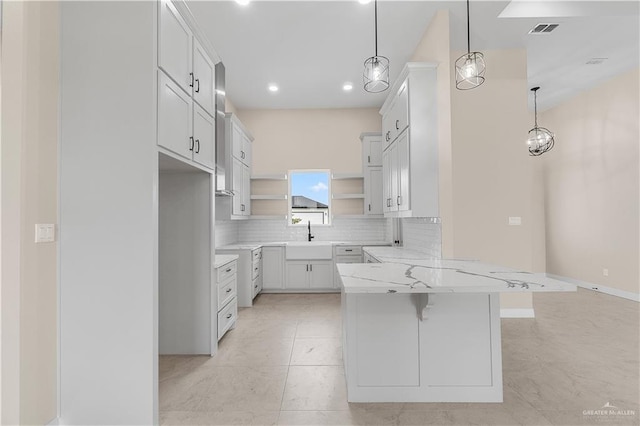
pixel 307 250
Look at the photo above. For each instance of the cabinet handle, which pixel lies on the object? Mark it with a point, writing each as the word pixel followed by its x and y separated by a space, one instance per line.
pixel 369 159
pixel 241 207
pixel 399 200
pixel 348 250
pixel 307 267
pixel 255 286
pixel 228 290
pixel 369 207
pixel 191 75
pixel 311 268
pixel 198 146
pixel 229 316
pixel 198 85
pixel 228 270
pixel 397 122
pixel 190 143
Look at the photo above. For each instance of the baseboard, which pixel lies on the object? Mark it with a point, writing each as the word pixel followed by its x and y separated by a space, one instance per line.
pixel 599 288
pixel 54 422
pixel 517 313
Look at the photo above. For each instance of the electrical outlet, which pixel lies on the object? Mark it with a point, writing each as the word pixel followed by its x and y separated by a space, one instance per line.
pixel 45 233
pixel 515 220
pixel 605 272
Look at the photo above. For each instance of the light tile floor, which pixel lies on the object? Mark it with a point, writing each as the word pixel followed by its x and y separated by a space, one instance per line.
pixel 283 365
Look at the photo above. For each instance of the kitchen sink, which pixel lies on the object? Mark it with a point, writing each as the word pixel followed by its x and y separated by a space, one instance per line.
pixel 307 250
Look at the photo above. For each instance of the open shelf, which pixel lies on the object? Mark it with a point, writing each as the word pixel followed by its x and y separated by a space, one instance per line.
pixel 347 196
pixel 269 197
pixel 270 177
pixel 341 176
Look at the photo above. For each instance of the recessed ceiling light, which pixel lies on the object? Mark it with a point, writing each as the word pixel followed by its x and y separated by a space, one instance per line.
pixel 243 2
pixel 364 1
pixel 347 87
pixel 273 88
pixel 596 61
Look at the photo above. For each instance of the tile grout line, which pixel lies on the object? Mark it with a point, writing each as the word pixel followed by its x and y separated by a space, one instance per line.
pixel 284 388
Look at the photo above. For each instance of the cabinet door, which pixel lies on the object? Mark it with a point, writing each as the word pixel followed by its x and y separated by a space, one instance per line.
pixel 297 274
pixel 456 323
pixel 272 268
pixel 174 117
pixel 174 46
pixel 204 78
pixel 401 110
pixel 237 179
pixel 237 150
pixel 394 185
pixel 402 148
pixel 203 134
pixel 246 191
pixel 321 274
pixel 374 156
pixel 373 191
pixel 246 150
pixel 386 181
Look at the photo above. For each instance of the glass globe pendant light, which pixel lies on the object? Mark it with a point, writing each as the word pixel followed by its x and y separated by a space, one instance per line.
pixel 376 68
pixel 470 67
pixel 540 140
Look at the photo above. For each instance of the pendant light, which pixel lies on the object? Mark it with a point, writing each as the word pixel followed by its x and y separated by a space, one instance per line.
pixel 540 140
pixel 470 67
pixel 376 68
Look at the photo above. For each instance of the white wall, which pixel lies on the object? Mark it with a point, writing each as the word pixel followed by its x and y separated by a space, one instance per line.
pixel 591 180
pixel 29 195
pixel 108 213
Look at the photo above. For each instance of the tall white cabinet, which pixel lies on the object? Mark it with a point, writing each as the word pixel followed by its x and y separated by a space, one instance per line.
pixel 238 142
pixel 410 144
pixel 372 144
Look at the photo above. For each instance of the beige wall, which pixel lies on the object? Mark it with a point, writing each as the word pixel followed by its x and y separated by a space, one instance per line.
pixel 591 182
pixel 308 139
pixel 435 47
pixel 30 82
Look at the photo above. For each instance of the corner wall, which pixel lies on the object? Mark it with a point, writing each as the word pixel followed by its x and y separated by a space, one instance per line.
pixel 30 49
pixel 591 180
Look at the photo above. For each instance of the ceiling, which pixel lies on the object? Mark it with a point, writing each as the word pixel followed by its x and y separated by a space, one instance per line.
pixel 311 48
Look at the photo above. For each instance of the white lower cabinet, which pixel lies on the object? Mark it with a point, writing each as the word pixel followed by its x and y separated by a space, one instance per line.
pixel 273 268
pixel 309 274
pixel 227 279
pixel 249 274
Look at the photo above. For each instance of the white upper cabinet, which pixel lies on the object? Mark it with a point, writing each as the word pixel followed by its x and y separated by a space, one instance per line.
pixel 372 173
pixel 371 149
pixel 186 81
pixel 204 78
pixel 174 46
pixel 174 117
pixel 238 142
pixel 410 157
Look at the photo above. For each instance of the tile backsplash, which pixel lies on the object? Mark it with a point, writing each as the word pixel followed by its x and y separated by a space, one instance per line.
pixel 423 234
pixel 342 229
pixel 226 232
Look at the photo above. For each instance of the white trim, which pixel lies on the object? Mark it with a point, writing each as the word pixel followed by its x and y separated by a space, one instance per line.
pixel 54 422
pixel 599 288
pixel 517 313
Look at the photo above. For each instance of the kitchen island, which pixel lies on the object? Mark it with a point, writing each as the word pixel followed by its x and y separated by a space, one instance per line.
pixel 418 329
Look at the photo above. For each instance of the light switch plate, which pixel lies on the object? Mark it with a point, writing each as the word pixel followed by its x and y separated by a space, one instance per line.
pixel 515 220
pixel 45 232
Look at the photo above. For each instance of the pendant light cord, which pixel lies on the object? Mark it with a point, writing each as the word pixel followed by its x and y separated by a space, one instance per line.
pixel 375 5
pixel 468 31
pixel 535 107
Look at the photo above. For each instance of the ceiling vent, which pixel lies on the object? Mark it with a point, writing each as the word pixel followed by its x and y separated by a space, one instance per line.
pixel 596 61
pixel 543 28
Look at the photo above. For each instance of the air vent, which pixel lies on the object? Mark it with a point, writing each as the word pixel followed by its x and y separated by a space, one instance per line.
pixel 543 28
pixel 596 61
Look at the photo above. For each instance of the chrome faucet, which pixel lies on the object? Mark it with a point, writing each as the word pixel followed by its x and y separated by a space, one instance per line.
pixel 309 227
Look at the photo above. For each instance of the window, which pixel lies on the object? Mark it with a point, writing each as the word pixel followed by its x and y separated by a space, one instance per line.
pixel 309 197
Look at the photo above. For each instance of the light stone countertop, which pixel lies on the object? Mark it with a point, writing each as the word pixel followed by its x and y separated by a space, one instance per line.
pixel 410 271
pixel 223 259
pixel 255 245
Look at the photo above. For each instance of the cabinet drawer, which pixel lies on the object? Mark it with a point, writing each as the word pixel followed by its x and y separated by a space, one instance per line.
pixel 226 271
pixel 348 250
pixel 227 291
pixel 256 287
pixel 256 254
pixel 227 317
pixel 255 270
